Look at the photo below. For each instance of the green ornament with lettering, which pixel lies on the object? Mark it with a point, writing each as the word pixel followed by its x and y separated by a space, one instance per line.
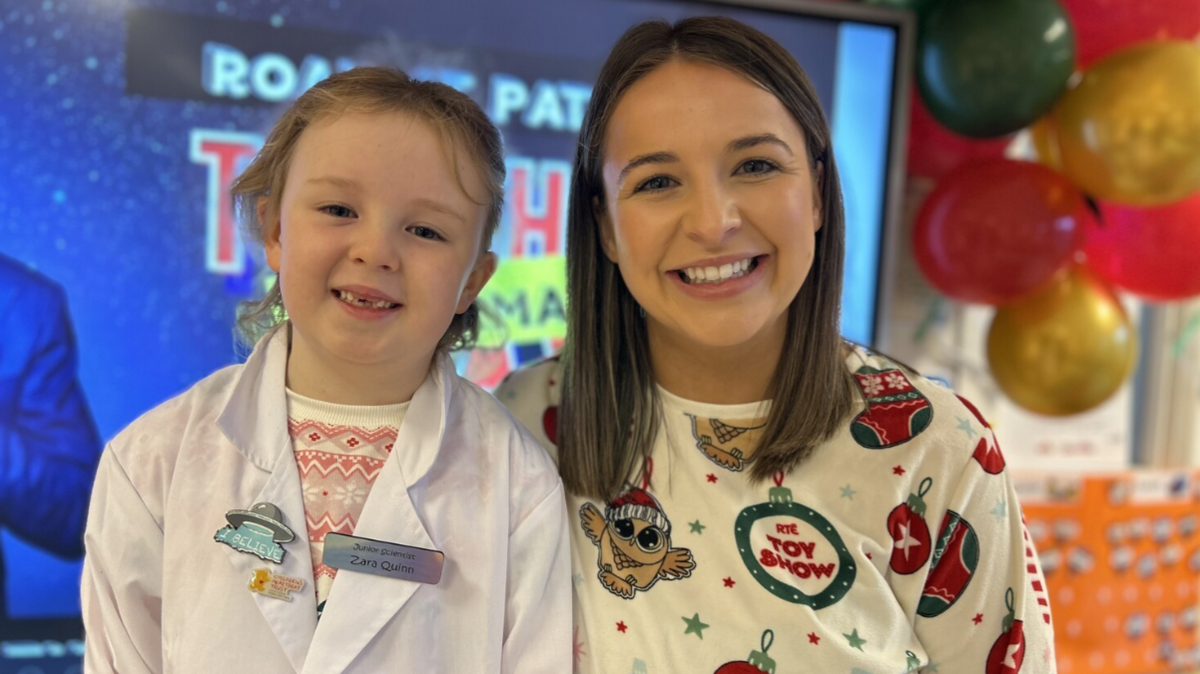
pixel 781 504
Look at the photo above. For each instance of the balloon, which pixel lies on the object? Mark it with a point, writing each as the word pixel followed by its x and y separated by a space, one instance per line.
pixel 1044 135
pixel 933 151
pixel 1152 252
pixel 996 230
pixel 1065 348
pixel 1105 27
pixel 1130 130
pixel 987 68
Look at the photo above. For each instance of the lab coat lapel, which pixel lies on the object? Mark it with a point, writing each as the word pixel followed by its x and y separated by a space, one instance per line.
pixel 255 421
pixel 360 605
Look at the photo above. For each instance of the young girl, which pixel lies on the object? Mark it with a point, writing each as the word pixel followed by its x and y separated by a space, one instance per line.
pixel 342 501
pixel 752 494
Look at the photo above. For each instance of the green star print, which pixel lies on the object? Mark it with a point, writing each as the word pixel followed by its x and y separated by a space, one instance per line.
pixel 695 626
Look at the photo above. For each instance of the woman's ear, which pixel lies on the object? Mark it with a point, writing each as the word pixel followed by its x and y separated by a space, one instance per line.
pixel 270 233
pixel 608 240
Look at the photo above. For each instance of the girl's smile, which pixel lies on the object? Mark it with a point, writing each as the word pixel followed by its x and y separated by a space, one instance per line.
pixel 377 246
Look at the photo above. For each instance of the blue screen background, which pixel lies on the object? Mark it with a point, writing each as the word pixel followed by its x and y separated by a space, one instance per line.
pixel 97 190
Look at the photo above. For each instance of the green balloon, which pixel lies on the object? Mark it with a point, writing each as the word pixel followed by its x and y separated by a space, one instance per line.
pixel 987 68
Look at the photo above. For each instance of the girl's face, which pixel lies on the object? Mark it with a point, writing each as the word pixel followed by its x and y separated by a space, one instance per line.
pixel 709 208
pixel 376 244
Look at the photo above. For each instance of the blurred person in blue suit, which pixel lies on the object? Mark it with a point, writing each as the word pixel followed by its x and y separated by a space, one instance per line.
pixel 49 444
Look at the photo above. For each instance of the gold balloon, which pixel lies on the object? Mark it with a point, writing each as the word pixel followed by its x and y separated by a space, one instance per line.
pixel 1130 130
pixel 1064 348
pixel 1044 136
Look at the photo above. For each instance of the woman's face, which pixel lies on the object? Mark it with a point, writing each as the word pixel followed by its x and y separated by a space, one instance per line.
pixel 709 208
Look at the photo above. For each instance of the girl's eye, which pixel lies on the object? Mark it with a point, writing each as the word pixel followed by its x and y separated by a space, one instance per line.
pixel 338 211
pixel 425 233
pixel 655 184
pixel 756 167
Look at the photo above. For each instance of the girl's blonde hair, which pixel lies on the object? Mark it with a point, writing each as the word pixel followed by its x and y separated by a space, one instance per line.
pixel 460 122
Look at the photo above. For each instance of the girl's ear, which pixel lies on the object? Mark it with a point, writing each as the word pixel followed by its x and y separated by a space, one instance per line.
pixel 270 232
pixel 485 266
pixel 607 239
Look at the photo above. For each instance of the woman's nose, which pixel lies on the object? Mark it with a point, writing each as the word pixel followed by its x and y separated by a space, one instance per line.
pixel 713 217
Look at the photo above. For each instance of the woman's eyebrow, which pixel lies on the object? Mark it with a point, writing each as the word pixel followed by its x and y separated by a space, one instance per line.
pixel 747 142
pixel 642 160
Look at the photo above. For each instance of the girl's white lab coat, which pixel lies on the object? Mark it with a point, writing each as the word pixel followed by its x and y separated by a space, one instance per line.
pixel 160 595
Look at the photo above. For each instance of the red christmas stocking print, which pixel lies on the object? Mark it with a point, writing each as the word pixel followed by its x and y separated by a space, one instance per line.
pixel 954 564
pixel 987 452
pixel 910 534
pixel 1008 652
pixel 896 411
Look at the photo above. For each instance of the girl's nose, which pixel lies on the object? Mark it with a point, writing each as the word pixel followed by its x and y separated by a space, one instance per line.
pixel 376 247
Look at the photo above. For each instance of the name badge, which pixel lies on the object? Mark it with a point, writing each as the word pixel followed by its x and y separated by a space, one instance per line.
pixel 381 558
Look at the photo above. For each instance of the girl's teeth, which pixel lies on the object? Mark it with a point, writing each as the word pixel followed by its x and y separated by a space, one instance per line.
pixel 359 302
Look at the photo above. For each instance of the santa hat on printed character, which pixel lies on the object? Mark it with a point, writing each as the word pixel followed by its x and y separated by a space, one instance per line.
pixel 637 504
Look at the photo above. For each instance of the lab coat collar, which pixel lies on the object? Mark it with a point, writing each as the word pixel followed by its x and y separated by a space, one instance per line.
pixel 254 419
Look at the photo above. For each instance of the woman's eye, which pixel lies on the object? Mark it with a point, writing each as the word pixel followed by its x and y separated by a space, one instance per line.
pixel 655 184
pixel 425 233
pixel 338 211
pixel 756 166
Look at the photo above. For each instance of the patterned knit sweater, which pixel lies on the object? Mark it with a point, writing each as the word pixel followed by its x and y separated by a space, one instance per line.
pixel 339 450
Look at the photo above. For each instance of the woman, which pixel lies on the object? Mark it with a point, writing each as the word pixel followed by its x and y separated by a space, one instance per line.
pixel 746 482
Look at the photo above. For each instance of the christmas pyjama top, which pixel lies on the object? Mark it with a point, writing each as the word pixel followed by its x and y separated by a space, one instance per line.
pixel 897 546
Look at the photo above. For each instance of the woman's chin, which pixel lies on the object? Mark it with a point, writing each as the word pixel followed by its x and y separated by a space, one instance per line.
pixel 726 333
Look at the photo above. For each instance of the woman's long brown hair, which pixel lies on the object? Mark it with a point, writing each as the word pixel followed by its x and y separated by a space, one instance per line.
pixel 610 412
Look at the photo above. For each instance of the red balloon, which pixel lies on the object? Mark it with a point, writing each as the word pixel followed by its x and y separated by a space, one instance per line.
pixel 995 230
pixel 1151 252
pixel 934 151
pixel 1102 28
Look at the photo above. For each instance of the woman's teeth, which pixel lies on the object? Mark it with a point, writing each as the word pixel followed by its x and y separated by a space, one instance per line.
pixel 351 298
pixel 725 272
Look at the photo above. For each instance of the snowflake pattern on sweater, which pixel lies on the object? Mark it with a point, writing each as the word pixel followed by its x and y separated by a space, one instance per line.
pixel 882 553
pixel 339 452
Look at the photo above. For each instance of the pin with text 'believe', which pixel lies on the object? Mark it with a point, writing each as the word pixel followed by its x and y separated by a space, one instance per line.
pixel 257 531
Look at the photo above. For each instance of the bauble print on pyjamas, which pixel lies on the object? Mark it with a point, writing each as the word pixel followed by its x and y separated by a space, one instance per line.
pixel 911 543
pixel 793 551
pixel 757 663
pixel 1008 652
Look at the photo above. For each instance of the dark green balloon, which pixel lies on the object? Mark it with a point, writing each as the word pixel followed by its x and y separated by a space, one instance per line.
pixel 986 68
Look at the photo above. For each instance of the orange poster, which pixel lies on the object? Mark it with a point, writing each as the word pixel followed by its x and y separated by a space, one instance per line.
pixel 1121 555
